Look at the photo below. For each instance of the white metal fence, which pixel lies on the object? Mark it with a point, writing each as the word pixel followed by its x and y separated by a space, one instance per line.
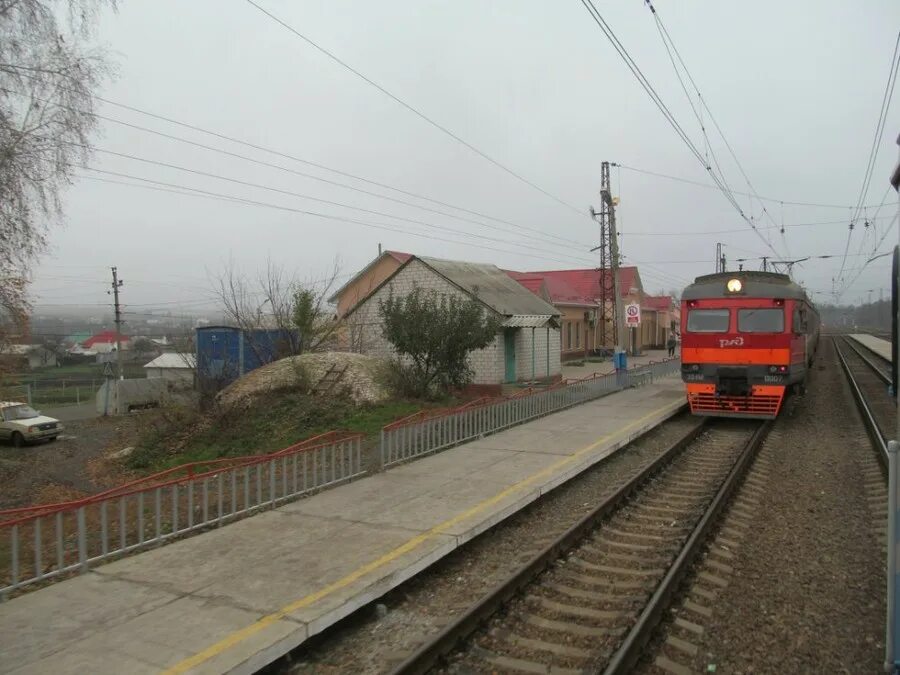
pixel 44 542
pixel 422 433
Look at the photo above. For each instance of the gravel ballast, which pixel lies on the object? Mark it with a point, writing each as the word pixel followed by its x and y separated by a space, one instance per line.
pixel 378 637
pixel 808 587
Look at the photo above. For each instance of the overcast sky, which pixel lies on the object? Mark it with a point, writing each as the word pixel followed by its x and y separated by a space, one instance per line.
pixel 795 86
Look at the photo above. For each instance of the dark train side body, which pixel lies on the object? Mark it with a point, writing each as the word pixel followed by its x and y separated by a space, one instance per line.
pixel 746 338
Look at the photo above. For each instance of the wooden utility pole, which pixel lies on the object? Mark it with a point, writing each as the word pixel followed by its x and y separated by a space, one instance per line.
pixel 116 285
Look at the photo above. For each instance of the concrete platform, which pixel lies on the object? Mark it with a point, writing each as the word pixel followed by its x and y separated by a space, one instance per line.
pixel 234 599
pixel 878 345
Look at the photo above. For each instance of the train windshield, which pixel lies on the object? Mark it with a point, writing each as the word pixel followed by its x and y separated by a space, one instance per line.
pixel 761 320
pixel 708 321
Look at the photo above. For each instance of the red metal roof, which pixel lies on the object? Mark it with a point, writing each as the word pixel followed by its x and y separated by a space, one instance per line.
pixel 106 337
pixel 579 286
pixel 573 287
pixel 659 303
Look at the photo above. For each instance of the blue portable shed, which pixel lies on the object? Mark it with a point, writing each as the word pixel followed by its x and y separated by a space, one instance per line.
pixel 225 353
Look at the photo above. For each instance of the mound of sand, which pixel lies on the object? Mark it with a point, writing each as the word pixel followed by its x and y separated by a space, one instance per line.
pixel 360 381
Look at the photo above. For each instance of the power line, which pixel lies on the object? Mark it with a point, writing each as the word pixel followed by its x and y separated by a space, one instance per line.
pixel 873 152
pixel 743 229
pixel 307 162
pixel 414 110
pixel 670 118
pixel 188 191
pixel 887 231
pixel 300 195
pixel 786 202
pixel 667 40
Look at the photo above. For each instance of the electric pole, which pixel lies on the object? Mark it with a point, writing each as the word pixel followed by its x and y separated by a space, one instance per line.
pixel 116 285
pixel 720 258
pixel 610 207
pixel 608 293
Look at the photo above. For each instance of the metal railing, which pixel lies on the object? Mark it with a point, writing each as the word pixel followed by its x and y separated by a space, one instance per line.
pixel 431 431
pixel 42 542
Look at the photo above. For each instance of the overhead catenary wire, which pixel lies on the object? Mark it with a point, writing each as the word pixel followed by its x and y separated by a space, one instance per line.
pixel 884 235
pixel 668 41
pixel 660 104
pixel 708 186
pixel 873 151
pixel 415 110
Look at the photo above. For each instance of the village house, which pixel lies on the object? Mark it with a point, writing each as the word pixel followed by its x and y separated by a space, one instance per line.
pixel 526 347
pixel 367 280
pixel 105 342
pixel 173 367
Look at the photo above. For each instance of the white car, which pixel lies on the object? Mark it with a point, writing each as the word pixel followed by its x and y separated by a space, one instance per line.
pixel 21 424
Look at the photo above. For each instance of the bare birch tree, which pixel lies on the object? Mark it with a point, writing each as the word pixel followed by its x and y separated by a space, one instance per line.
pixel 48 74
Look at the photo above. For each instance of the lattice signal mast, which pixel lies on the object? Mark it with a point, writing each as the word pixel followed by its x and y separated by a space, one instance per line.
pixel 609 263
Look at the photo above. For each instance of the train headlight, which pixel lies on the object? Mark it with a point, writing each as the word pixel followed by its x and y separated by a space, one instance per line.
pixel 734 285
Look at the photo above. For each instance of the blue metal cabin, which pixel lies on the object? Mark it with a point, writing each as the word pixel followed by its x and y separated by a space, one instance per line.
pixel 225 353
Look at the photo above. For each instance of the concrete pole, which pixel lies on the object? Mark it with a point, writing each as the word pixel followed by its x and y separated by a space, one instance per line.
pixel 116 284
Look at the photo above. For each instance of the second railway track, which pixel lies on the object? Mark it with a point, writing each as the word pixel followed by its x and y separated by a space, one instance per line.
pixel 869 378
pixel 591 599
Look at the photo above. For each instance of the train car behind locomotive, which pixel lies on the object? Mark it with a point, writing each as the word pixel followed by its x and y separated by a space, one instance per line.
pixel 746 338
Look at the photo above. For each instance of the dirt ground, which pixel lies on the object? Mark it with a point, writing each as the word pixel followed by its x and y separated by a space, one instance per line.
pixel 69 467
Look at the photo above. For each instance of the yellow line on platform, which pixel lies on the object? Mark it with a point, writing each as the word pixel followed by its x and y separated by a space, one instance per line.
pixel 238 636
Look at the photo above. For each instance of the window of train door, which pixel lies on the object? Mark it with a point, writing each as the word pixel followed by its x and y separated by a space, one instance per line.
pixel 799 320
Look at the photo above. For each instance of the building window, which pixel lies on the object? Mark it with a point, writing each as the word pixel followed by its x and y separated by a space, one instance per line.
pixel 568 335
pixel 577 335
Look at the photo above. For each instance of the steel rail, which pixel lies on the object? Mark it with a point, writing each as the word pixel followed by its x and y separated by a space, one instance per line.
pixel 433 651
pixel 628 653
pixel 858 348
pixel 879 442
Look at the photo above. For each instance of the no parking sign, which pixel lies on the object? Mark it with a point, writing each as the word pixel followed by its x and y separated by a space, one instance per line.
pixel 633 315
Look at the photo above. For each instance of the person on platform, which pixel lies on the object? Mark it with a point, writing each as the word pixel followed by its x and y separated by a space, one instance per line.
pixel 671 345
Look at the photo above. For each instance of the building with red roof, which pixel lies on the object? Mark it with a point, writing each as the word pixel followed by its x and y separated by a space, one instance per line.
pixel 105 341
pixel 576 293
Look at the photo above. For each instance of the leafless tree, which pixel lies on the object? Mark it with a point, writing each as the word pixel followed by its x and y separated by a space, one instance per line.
pixel 277 299
pixel 48 73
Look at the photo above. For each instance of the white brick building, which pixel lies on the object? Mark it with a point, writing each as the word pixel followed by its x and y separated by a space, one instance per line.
pixel 529 324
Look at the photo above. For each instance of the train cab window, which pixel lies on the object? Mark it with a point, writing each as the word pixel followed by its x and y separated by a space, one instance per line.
pixel 762 320
pixel 708 321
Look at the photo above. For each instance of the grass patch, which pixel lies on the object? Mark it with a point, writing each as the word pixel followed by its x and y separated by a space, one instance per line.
pixel 178 435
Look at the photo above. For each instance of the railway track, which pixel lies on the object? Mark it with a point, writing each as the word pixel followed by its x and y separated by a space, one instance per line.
pixel 591 599
pixel 869 379
pixel 869 376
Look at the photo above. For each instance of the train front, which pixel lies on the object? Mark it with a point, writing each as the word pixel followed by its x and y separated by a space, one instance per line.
pixel 737 344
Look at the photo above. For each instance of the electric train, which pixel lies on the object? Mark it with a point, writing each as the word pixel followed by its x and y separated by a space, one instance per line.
pixel 746 338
